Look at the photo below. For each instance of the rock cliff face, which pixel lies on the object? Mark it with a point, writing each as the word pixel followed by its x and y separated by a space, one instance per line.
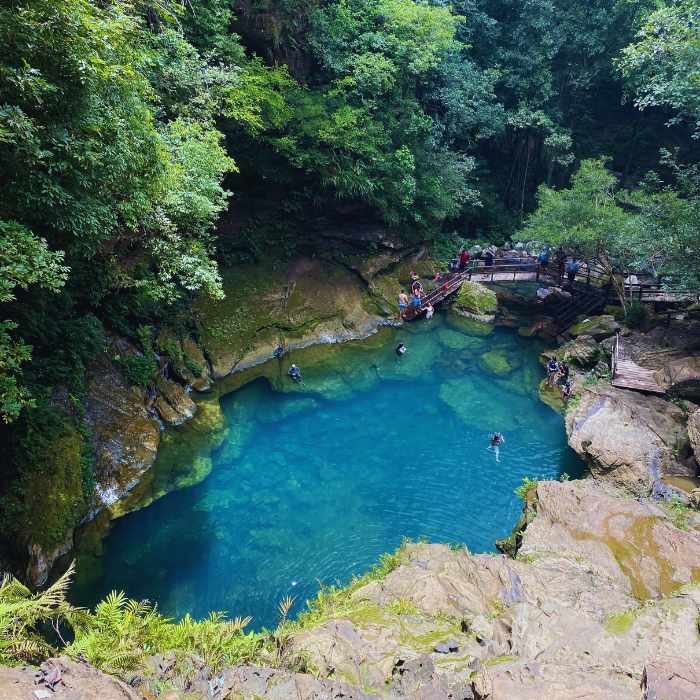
pixel 601 601
pixel 304 303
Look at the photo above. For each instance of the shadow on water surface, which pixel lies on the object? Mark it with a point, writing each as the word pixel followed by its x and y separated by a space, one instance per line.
pixel 311 483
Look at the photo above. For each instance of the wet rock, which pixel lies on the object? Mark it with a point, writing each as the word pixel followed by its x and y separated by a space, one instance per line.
pixel 469 326
pixel 496 362
pixel 310 302
pixel 550 394
pixel 125 436
pixel 626 437
pixel 173 403
pixel 599 327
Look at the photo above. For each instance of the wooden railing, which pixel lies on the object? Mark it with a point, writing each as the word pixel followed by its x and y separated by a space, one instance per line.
pixel 615 350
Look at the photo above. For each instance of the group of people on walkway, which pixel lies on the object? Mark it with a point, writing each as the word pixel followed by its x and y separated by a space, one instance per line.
pixel 416 299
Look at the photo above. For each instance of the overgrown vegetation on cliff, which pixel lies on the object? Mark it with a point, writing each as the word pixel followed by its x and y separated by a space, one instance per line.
pixel 120 634
pixel 130 128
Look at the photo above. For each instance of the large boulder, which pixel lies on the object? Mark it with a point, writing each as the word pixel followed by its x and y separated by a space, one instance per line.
pixel 681 376
pixel 599 327
pixel 173 403
pixel 583 351
pixel 476 301
pixel 626 437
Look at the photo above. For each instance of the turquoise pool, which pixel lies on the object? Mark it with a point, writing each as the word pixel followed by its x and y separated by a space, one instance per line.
pixel 313 483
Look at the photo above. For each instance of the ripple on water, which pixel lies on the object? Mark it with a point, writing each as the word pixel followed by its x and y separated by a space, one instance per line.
pixel 313 484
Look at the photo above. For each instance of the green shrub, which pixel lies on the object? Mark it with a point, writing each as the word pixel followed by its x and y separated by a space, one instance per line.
pixel 637 315
pixel 679 513
pixel 524 488
pixel 138 370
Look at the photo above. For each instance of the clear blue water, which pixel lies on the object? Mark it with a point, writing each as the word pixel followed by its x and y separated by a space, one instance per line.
pixel 314 483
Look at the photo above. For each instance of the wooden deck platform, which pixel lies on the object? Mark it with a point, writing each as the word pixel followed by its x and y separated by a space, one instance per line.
pixel 627 374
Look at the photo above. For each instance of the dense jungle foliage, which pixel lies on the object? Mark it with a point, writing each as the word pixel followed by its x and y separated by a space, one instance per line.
pixel 146 144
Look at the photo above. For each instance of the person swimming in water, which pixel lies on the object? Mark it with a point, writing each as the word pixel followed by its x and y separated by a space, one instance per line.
pixel 294 373
pixel 495 442
pixel 400 349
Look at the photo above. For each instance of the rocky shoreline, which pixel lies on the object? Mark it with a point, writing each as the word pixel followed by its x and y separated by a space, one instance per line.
pixel 597 593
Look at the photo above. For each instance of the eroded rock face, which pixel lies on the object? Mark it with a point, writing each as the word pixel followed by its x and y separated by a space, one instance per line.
pixel 79 682
pixel 173 403
pixel 564 620
pixel 694 433
pixel 125 436
pixel 311 302
pixel 627 437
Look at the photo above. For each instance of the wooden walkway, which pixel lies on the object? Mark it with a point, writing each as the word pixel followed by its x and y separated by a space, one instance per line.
pixel 627 374
pixel 527 270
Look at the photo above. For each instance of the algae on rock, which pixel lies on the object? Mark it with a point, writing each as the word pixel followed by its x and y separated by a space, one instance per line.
pixel 476 300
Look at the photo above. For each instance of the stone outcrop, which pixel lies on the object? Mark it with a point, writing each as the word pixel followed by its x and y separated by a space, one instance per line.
pixel 602 594
pixel 78 681
pixel 598 327
pixel 476 301
pixel 308 303
pixel 626 437
pixel 125 435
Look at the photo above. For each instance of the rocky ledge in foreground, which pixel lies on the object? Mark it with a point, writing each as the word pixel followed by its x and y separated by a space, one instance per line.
pixel 601 601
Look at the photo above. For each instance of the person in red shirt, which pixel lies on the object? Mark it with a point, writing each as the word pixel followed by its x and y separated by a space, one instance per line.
pixel 463 258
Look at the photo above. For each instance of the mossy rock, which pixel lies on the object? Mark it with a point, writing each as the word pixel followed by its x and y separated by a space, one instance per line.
pixel 454 340
pixel 496 362
pixel 472 399
pixel 468 326
pixel 477 299
pixel 598 327
pixel 51 488
pixel 551 395
pixel 693 312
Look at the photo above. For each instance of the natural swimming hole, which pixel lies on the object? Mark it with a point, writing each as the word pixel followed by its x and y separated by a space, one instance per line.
pixel 312 483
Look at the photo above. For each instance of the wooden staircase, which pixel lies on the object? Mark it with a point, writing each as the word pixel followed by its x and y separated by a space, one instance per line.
pixel 586 300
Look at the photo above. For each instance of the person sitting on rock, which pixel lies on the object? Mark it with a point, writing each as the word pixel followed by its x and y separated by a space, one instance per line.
pixel 294 373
